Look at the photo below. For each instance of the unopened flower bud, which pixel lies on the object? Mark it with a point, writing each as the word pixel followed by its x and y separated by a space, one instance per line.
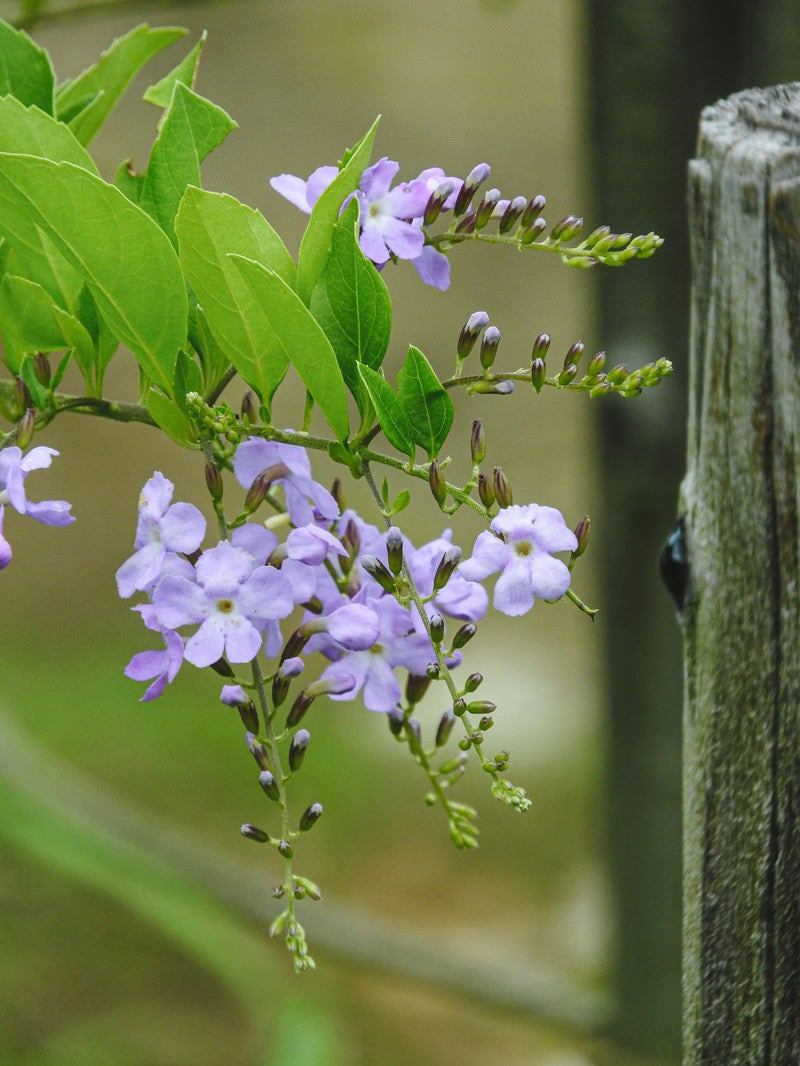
pixel 566 228
pixel 473 681
pixel 437 627
pixel 416 729
pixel 287 671
pixel 464 635
pixel 25 429
pixel 467 223
pixel 214 481
pixel 492 388
pixel 541 346
pixel 416 687
pixel 502 488
pixel 470 332
pixel 596 363
pixel 22 396
pixel 249 715
pixel 310 816
pixel 534 208
pixel 295 644
pixel 574 353
pixel 486 722
pixel 538 374
pixel 375 568
pixel 286 849
pixel 298 709
pixel 481 707
pixel 432 671
pixel 447 564
pixel 258 750
pixel 486 207
pixel 394 550
pixel 437 200
pixel 297 749
pixel 489 343
pixel 445 728
pixel 536 228
pixel 582 531
pixel 396 720
pixel 568 374
pixel 512 213
pixel 459 707
pixel 267 781
pixel 249 407
pixel 41 368
pixel 437 483
pixel 257 492
pixel 485 490
pixel 617 374
pixel 223 668
pixel 476 177
pixel 252 832
pixel 477 443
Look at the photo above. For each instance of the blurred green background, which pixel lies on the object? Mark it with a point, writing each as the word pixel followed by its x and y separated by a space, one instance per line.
pixel 133 913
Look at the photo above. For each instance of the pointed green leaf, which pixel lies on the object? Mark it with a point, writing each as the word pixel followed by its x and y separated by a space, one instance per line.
pixel 394 422
pixel 129 182
pixel 26 320
pixel 77 337
pixel 29 131
pixel 160 94
pixel 316 243
pixel 171 418
pixel 209 226
pixel 428 407
pixel 352 305
pixel 25 69
pixel 123 257
pixel 192 128
pixel 103 84
pixel 302 341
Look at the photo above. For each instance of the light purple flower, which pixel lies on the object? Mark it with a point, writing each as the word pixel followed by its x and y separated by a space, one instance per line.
pixel 311 545
pixel 386 214
pixel 14 468
pixel 162 530
pixel 163 665
pixel 256 455
pixel 520 544
pixel 373 669
pixel 232 600
pixel 233 696
pixel 460 598
pixel 304 194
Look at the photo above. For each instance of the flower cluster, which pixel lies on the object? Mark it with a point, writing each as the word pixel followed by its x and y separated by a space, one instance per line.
pixel 14 468
pixel 353 582
pixel 391 219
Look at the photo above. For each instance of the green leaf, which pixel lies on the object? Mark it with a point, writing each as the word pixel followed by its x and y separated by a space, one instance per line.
pixel 394 422
pixel 125 260
pixel 209 226
pixel 316 243
pixel 25 69
pixel 428 407
pixel 192 128
pixel 171 418
pixel 302 340
pixel 77 337
pixel 160 94
pixel 26 320
pixel 35 388
pixel 129 182
pixel 352 305
pixel 29 131
pixel 101 86
pixel 213 360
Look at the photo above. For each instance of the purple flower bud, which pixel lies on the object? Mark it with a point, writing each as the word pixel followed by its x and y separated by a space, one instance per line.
pixel 252 832
pixel 538 374
pixel 445 728
pixel 464 635
pixel 257 750
pixel 267 781
pixel 485 490
pixel 535 207
pixel 446 567
pixel 41 368
pixel 310 816
pixel 470 332
pixel 489 343
pixel 502 488
pixel 437 482
pixel 477 443
pixel 394 550
pixel 582 531
pixel 437 627
pixel 249 407
pixel 297 749
pixel 574 354
pixel 568 374
pixel 416 687
pixel 376 570
pixel 512 213
pixel 489 202
pixel 473 681
pixel 214 482
pixel 537 227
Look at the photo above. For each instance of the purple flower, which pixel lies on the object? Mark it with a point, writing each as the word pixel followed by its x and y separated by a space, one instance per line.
pixel 162 531
pixel 460 598
pixel 160 665
pixel 304 194
pixel 255 455
pixel 232 600
pixel 386 214
pixel 520 544
pixel 373 669
pixel 5 547
pixel 14 468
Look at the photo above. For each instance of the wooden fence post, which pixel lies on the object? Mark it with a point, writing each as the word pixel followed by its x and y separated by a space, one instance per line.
pixel 741 614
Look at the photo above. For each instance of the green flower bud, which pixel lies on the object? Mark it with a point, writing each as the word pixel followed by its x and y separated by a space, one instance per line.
pixel 437 483
pixel 25 429
pixel 249 407
pixel 416 687
pixel 481 707
pixel 489 343
pixel 535 207
pixel 538 374
pixel 596 363
pixel 467 223
pixel 396 720
pixel 473 681
pixel 536 228
pixel 298 709
pixel 486 207
pixel 574 354
pixel 447 564
pixel 437 628
pixel 512 213
pixel 394 550
pixel 485 490
pixel 459 707
pixel 541 346
pixel 477 442
pixel 310 816
pixel 297 749
pixel 502 488
pixel 41 368
pixel 214 481
pixel 375 568
pixel 437 201
pixel 582 531
pixel 464 635
pixel 249 715
pixel 470 332
pixel 445 728
pixel 267 781
pixel 252 832
pixel 286 849
pixel 258 751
